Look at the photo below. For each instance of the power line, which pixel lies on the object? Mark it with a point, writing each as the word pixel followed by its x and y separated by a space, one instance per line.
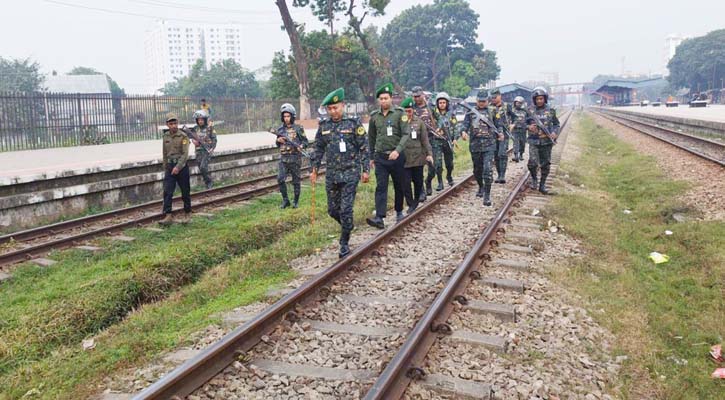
pixel 131 14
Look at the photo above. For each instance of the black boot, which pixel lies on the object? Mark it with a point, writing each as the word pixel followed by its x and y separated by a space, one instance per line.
pixel 487 196
pixel 344 244
pixel 285 199
pixel 440 182
pixel 423 196
pixel 428 187
pixel 497 165
pixel 296 202
pixel 542 185
pixel 534 185
pixel 399 216
pixel 376 222
pixel 449 178
pixel 480 191
pixel 502 169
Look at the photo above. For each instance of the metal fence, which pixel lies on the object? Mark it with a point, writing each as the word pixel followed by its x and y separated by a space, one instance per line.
pixel 46 120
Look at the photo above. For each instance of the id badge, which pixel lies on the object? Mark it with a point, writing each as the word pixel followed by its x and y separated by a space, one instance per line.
pixel 413 134
pixel 390 131
pixel 343 147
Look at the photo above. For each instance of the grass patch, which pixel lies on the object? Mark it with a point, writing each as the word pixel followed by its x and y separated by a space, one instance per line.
pixel 665 316
pixel 146 297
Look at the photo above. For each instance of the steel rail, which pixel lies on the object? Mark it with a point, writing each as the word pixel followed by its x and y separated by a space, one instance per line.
pixel 632 124
pixel 404 366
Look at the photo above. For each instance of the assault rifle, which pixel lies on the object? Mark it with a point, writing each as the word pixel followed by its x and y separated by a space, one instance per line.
pixel 191 133
pixel 543 127
pixel 290 142
pixel 480 117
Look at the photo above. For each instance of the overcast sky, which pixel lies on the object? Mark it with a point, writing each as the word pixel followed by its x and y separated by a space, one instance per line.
pixel 576 38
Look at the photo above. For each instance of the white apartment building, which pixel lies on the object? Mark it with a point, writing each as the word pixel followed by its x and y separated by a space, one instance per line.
pixel 671 43
pixel 173 48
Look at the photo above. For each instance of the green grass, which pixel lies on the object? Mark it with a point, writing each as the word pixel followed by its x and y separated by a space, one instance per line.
pixel 146 297
pixel 661 314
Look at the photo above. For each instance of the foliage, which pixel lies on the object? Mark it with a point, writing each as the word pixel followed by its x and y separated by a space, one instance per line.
pixel 224 79
pixel 115 88
pixel 425 42
pixel 699 63
pixel 20 76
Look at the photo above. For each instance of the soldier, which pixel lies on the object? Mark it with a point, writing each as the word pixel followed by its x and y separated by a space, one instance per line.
pixel 291 140
pixel 388 132
pixel 519 131
pixel 175 155
pixel 443 140
pixel 539 143
pixel 421 109
pixel 483 145
pixel 417 153
pixel 204 139
pixel 502 117
pixel 346 144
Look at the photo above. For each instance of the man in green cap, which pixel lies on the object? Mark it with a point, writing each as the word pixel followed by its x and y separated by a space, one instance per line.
pixel 389 131
pixel 417 153
pixel 343 143
pixel 175 155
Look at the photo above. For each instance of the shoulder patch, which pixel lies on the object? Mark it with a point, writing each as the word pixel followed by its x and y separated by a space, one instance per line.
pixel 404 118
pixel 185 141
pixel 360 130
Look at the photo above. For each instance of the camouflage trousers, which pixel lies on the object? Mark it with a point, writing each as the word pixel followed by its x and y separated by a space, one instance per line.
pixel 539 158
pixel 203 158
pixel 501 156
pixel 292 168
pixel 519 137
pixel 340 202
pixel 442 154
pixel 482 168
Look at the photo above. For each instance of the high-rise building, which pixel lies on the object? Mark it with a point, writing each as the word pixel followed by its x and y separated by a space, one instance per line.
pixel 173 48
pixel 671 43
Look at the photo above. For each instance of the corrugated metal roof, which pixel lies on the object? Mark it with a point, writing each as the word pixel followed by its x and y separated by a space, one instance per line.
pixel 511 87
pixel 621 83
pixel 87 84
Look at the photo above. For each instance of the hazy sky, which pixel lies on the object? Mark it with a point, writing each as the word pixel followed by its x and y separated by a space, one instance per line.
pixel 577 39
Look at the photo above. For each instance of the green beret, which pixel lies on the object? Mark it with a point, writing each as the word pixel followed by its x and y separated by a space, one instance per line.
pixel 387 88
pixel 334 97
pixel 407 103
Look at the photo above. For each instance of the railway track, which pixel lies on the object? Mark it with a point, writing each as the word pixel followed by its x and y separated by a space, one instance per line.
pixel 699 146
pixel 361 327
pixel 29 244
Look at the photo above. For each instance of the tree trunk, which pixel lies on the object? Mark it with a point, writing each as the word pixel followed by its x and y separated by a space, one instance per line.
pixel 300 59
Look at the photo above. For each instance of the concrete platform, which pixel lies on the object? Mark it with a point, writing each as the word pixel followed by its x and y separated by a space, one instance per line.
pixel 713 112
pixel 697 121
pixel 31 165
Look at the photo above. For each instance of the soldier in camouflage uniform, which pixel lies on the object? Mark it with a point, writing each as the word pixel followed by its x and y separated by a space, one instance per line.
pixel 291 140
pixel 204 139
pixel 539 143
pixel 483 145
pixel 422 111
pixel 388 132
pixel 442 140
pixel 519 131
pixel 343 142
pixel 502 118
pixel 176 171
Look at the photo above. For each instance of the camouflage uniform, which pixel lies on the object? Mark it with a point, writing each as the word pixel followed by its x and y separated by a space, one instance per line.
pixel 442 150
pixel 204 151
pixel 540 145
pixel 519 133
pixel 344 145
pixel 290 161
pixel 502 116
pixel 426 115
pixel 482 146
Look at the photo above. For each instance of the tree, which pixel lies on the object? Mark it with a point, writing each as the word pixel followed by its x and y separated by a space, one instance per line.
pixel 699 63
pixel 20 76
pixel 115 88
pixel 282 84
pixel 424 42
pixel 459 82
pixel 223 79
pixel 301 67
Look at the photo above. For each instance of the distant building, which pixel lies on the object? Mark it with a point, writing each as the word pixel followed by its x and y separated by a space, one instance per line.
pixel 621 92
pixel 508 92
pixel 173 48
pixel 671 43
pixel 81 100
